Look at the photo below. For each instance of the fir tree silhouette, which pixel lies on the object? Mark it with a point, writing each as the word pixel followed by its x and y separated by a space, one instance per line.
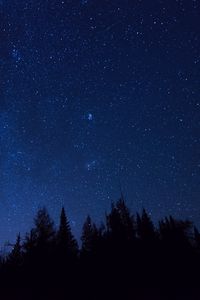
pixel 44 227
pixel 90 236
pixel 122 260
pixel 145 227
pixel 15 257
pixel 66 242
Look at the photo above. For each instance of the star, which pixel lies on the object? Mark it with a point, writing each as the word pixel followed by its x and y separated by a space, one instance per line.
pixel 16 55
pixel 90 117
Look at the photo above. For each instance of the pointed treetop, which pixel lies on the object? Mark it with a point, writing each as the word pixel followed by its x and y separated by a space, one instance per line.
pixel 65 238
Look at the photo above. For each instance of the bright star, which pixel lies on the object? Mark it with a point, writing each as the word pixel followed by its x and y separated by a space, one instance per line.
pixel 90 117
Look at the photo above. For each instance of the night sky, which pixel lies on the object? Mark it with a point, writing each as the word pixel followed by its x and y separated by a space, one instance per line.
pixel 94 95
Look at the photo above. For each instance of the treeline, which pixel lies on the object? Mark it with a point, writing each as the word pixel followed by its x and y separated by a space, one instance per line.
pixel 127 257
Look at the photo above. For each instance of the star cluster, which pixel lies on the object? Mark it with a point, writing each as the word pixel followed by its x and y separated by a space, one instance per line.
pixel 95 95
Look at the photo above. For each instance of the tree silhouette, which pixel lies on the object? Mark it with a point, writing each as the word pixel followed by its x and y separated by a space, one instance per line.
pixel 30 241
pixel 39 244
pixel 15 257
pixel 122 260
pixel 44 228
pixel 90 236
pixel 120 222
pixel 127 220
pixel 145 228
pixel 175 232
pixel 66 243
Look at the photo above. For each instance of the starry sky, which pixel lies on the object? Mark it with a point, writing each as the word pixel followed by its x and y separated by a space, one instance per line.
pixel 95 95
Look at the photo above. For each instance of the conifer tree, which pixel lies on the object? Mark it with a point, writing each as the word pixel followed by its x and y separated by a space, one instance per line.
pixel 175 232
pixel 145 227
pixel 120 222
pixel 44 227
pixel 90 236
pixel 66 242
pixel 15 257
pixel 39 243
pixel 127 220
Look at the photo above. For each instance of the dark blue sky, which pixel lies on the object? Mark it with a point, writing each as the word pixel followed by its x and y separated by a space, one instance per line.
pixel 93 93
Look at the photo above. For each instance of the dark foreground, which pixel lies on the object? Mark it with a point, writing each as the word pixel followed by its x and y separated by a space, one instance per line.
pixel 125 258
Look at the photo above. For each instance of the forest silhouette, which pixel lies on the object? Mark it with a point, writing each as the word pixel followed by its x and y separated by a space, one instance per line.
pixel 127 257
